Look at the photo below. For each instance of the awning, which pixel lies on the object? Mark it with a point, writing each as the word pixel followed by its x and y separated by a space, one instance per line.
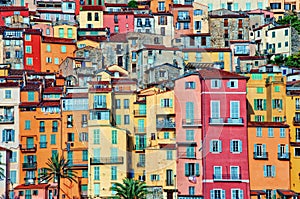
pixel 286 192
pixel 257 192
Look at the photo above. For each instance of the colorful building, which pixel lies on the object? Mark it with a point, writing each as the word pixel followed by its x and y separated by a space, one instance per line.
pixel 119 22
pixel 183 19
pixel 268 146
pixel 91 17
pixel 65 31
pixel 32 45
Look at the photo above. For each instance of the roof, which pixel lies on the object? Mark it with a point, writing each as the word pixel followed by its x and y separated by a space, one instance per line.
pixel 167 146
pixel 199 65
pixel 260 27
pixel 50 103
pixel 29 104
pixel 268 124
pixel 195 35
pixel 286 192
pixel 13 8
pixel 206 50
pixel 143 16
pixel 37 186
pixel 53 90
pixel 9 84
pixel 224 13
pixel 33 31
pixel 165 64
pixel 182 6
pixel 92 8
pixel 239 41
pixel 210 73
pixel 57 40
pixel 252 57
pixel 121 37
pixel 279 27
pixel 257 192
pixel 116 5
pixel 76 95
pixel 159 47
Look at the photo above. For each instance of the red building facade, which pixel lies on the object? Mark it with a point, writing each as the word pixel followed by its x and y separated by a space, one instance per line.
pixel 119 22
pixel 32 49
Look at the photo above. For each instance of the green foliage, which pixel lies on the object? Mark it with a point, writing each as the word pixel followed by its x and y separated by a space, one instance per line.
pixel 291 19
pixel 58 168
pixel 130 189
pixel 293 60
pixel 132 4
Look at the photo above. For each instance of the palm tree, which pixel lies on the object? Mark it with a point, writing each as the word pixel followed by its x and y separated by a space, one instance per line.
pixel 130 189
pixel 58 168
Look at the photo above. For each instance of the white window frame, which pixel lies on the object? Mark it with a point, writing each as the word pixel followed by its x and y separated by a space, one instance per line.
pixel 215 83
pixel 235 82
pixel 240 191
pixel 238 173
pixel 239 150
pixel 220 172
pixel 217 113
pixel 219 146
pixel 235 115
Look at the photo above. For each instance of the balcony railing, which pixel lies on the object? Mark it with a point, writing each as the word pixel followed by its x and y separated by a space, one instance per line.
pixel 140 164
pixel 139 147
pixel 183 18
pixel 79 163
pixel 296 121
pixel 283 156
pixel 139 112
pixel 29 181
pixel 161 124
pixel 140 129
pixel 6 119
pixel 28 148
pixel 261 155
pixel 226 121
pixel 191 122
pixel 227 177
pixel 191 155
pixel 108 160
pixel 169 182
pixel 29 166
pixel 297 107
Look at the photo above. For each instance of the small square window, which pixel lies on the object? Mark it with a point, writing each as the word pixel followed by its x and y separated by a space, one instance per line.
pixel 232 84
pixel 190 85
pixel 215 83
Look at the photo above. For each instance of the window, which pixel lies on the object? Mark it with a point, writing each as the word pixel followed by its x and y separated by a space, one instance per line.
pixel 275 5
pixel 221 56
pixel 166 103
pixel 83 137
pixel 85 155
pixel 225 22
pixel 269 171
pixel 28 49
pixel 258 132
pixel 198 57
pixel 63 49
pixel 215 146
pixel 61 32
pixel 169 155
pixel 191 169
pixel 277 88
pixel 96 17
pixel 279 45
pixel 260 104
pixel 126 119
pixel 260 151
pixel 47 31
pixel 161 6
pixel 53 139
pixel 114 135
pixel 189 135
pixel 43 141
pixel 236 146
pixel 85 173
pixel 89 16
pixel 56 60
pixel 96 136
pixel 166 135
pixel 70 137
pixel 7 94
pixel 133 56
pixel 48 48
pixel 282 132
pixel 70 33
pixel 54 126
pixel 48 60
pixel 190 85
pixel 42 126
pixel 237 194
pixel 215 109
pixel 154 177
pixel 69 121
pixel 113 173
pixel 259 90
pixel 234 172
pixel 8 135
pixel 126 103
pixel 186 56
pixel 270 132
pixel 13 157
pixel 234 109
pixel 210 7
pixel 198 12
pixel 96 189
pixel 118 103
pixel 27 37
pixel 118 119
pixel 232 84
pixel 116 29
pixel 191 190
pixel 248 5
pixel 97 173
pixel 286 32
pixel 186 25
pixel 215 83
pixel 297 152
pixel 197 25
pixel 217 194
pixel 190 152
pixel 286 44
pixel 217 172
pixel 277 103
pixel 13 176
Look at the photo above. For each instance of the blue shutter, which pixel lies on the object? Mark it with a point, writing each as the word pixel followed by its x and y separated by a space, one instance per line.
pixel 186 169
pixel 255 145
pixel 211 146
pixel 240 146
pixel 3 135
pixel 211 194
pixel 273 103
pixel 161 102
pixel 171 102
pixel 223 194
pixel 197 169
pixel 286 148
pixel 220 146
pixel 265 170
pixel 264 148
pixel 278 148
pixel 231 146
pixel 255 104
pixel 241 194
pixel 34 158
pixel 273 170
pixel 25 159
pixel 280 104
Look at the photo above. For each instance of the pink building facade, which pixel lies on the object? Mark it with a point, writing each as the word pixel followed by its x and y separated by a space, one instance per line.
pixel 46 191
pixel 119 22
pixel 217 100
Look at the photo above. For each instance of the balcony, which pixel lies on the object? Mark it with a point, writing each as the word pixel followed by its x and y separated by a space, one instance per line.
pixel 139 113
pixel 140 147
pixel 6 119
pixel 161 9
pixel 183 18
pixel 140 164
pixel 107 160
pixel 79 163
pixel 191 122
pixel 296 121
pixel 169 182
pixel 28 148
pixel 227 177
pixel 283 156
pixel 226 121
pixel 141 130
pixel 29 181
pixel 165 124
pixel 29 166
pixel 190 155
pixel 260 156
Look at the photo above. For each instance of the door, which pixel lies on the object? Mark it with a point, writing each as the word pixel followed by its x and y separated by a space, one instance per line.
pixel 30 143
pixel 120 61
pixel 170 177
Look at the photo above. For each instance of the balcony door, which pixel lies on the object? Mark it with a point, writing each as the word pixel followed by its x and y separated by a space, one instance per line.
pixel 169 177
pixel 30 142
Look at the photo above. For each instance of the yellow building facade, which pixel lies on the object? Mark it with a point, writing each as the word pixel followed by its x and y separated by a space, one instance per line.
pixel 65 31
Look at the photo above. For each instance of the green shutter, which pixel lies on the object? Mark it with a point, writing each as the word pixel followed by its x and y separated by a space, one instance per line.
pixel 161 102
pixel 171 102
pixel 265 104
pixel 255 104
pixel 273 103
pixel 197 169
pixel 186 169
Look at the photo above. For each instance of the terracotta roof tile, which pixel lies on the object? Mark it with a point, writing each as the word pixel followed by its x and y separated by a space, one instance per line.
pixel 58 40
pixel 53 90
pixel 9 84
pixel 268 124
pixel 37 186
pixel 206 50
pixel 76 95
pixel 121 37
pixel 50 103
pixel 92 8
pixel 13 8
pixel 209 73
pixel 252 57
